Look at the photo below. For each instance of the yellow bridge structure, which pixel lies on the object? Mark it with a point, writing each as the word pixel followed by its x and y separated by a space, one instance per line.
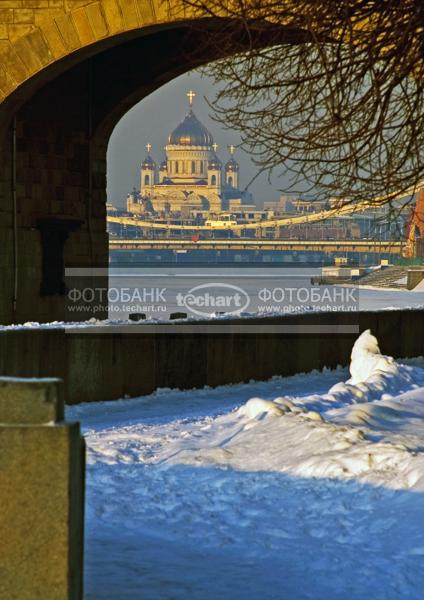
pixel 405 247
pixel 304 219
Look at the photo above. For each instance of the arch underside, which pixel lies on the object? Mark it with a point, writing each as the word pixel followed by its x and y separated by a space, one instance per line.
pixel 54 131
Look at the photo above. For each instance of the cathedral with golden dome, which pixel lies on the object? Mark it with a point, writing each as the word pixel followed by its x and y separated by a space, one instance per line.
pixel 192 179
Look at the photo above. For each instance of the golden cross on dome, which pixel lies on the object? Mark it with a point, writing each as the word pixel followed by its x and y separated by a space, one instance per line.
pixel 191 96
pixel 231 149
pixel 148 147
pixel 215 147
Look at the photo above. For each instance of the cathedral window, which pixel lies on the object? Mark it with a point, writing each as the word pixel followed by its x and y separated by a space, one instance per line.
pixel 176 166
pixel 213 180
pixel 230 181
pixel 193 166
pixel 146 180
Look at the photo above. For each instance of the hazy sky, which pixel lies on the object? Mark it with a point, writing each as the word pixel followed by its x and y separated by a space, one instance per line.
pixel 152 120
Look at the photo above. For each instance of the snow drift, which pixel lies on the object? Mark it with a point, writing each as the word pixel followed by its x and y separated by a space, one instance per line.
pixel 300 487
pixel 367 360
pixel 328 435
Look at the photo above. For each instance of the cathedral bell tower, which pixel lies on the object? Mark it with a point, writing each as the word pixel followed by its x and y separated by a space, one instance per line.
pixel 232 170
pixel 215 170
pixel 147 173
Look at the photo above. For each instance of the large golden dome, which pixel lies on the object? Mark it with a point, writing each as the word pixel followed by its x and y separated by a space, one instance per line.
pixel 191 132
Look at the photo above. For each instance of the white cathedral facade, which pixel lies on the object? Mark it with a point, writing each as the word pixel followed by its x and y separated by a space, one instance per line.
pixel 192 177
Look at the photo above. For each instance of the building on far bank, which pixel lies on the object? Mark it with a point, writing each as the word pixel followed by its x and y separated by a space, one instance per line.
pixel 192 186
pixel 192 176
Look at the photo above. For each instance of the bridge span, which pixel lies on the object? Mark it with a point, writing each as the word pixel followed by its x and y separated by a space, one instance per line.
pixel 383 247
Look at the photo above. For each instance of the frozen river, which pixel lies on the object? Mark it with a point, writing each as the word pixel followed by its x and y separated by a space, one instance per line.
pixel 216 293
pixel 205 292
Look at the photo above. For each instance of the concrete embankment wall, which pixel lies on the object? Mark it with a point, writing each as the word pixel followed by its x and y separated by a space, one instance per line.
pixel 138 359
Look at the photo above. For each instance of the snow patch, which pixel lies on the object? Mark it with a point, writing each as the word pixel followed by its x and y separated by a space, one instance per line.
pixel 256 407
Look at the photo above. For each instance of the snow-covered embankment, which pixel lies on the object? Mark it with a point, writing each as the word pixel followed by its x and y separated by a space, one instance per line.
pixel 300 487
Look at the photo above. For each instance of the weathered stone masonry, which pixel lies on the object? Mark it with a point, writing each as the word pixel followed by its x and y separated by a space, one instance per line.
pixel 59 102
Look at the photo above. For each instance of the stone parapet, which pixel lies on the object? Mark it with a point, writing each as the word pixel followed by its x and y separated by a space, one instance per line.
pixel 41 493
pixel 108 363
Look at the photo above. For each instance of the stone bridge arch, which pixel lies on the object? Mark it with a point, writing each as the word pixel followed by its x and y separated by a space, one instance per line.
pixel 69 70
pixel 38 35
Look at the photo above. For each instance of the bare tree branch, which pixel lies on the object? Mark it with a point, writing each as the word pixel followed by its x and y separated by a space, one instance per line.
pixel 328 92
